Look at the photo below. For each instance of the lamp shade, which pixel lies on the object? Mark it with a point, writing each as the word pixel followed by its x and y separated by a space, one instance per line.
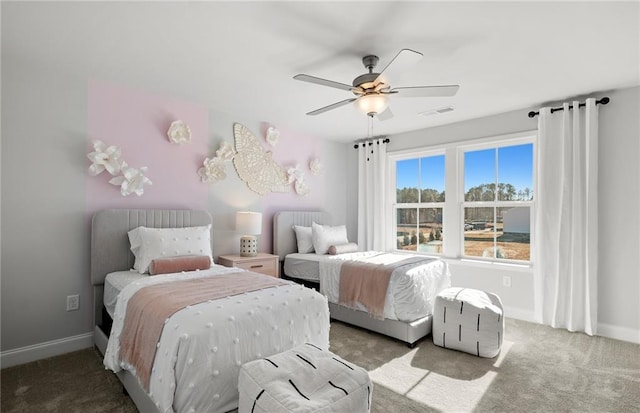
pixel 372 103
pixel 249 223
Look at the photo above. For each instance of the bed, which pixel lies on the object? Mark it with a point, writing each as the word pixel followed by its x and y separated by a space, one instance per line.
pixel 408 308
pixel 202 346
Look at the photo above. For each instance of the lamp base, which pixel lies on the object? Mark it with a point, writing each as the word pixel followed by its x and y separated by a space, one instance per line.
pixel 248 246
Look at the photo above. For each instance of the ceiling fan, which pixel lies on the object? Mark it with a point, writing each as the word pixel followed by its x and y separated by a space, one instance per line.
pixel 372 89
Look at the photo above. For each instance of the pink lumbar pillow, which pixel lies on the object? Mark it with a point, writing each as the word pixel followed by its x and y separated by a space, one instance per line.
pixel 343 248
pixel 179 264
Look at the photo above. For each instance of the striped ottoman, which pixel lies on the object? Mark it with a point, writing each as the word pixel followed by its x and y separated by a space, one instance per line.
pixel 468 320
pixel 303 379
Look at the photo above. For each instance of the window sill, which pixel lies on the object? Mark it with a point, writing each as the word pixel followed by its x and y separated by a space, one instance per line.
pixel 523 267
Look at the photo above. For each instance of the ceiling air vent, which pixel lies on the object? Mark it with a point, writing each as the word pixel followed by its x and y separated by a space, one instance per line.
pixel 438 111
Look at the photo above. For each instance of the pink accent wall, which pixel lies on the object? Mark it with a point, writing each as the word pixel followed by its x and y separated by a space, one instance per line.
pixel 292 148
pixel 137 122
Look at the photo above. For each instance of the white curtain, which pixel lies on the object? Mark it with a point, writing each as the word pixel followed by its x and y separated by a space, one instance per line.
pixel 372 172
pixel 566 250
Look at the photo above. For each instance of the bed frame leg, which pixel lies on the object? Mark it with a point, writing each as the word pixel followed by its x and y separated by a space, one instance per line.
pixel 124 391
pixel 412 345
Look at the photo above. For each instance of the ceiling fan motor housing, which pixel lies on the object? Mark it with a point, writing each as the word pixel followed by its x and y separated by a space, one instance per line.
pixel 365 81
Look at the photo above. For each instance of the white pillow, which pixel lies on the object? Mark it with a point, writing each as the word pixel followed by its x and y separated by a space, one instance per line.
pixel 324 236
pixel 148 244
pixel 303 237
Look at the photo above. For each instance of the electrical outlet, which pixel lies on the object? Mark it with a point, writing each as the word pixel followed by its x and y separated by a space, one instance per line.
pixel 73 302
pixel 506 280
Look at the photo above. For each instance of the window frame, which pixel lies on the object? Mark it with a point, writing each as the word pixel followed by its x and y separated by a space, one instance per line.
pixel 495 144
pixel 393 159
pixel 453 206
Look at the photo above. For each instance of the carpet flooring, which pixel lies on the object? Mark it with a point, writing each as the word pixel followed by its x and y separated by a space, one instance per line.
pixel 539 369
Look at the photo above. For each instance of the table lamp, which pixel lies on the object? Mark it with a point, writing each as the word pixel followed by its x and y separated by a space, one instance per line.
pixel 250 225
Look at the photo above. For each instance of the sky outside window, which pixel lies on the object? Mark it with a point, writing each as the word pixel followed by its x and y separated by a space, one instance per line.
pixel 407 173
pixel 515 166
pixel 432 173
pixel 479 168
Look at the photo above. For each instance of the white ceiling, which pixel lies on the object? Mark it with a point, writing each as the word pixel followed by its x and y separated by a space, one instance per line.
pixel 239 57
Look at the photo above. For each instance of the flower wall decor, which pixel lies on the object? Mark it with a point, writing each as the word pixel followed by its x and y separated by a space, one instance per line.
pixel 273 136
pixel 213 169
pixel 104 158
pixel 295 173
pixel 130 180
pixel 296 176
pixel 179 133
pixel 315 167
pixel 301 187
pixel 225 152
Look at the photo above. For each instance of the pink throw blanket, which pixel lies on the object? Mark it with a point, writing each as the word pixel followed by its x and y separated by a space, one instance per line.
pixel 367 283
pixel 149 307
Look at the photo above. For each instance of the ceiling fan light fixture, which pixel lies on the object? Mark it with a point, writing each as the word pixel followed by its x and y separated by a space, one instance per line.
pixel 372 104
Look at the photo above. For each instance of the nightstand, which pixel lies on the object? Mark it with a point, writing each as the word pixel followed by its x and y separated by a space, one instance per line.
pixel 263 263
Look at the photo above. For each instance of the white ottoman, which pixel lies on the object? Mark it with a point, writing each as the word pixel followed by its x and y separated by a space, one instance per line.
pixel 468 320
pixel 303 379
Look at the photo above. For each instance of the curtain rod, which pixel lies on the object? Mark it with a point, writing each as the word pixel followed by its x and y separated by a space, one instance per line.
pixel 386 140
pixel 602 101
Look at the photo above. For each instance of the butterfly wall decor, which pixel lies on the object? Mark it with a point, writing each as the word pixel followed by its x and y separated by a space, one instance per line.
pixel 255 166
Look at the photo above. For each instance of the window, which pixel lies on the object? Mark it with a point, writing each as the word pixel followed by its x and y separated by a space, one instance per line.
pixel 498 196
pixel 488 208
pixel 420 197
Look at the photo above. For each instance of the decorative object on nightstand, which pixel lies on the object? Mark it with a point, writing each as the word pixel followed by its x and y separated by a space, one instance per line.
pixel 250 225
pixel 267 264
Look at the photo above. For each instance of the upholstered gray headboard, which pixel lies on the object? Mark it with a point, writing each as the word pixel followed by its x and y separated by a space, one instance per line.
pixel 284 239
pixel 110 250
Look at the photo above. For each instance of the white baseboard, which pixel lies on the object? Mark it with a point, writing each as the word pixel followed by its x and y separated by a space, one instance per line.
pixel 619 333
pixel 44 350
pixel 520 314
pixel 604 330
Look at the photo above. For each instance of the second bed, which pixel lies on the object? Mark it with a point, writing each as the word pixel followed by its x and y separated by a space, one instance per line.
pixel 412 287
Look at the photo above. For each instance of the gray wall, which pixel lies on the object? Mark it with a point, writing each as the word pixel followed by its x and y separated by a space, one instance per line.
pixel 45 231
pixel 45 237
pixel 619 203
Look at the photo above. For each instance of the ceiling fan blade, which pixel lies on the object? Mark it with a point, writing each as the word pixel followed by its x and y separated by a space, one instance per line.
pixel 426 91
pixel 405 59
pixel 332 106
pixel 385 114
pixel 323 82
